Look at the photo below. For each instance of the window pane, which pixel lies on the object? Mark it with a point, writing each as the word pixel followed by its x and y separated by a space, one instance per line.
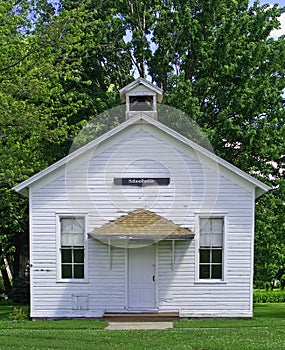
pixel 66 271
pixel 204 271
pixel 217 225
pixel 72 239
pixel 78 271
pixel 78 255
pixel 217 240
pixel 217 271
pixel 204 256
pixel 72 232
pixel 66 255
pixel 205 240
pixel 217 256
pixel 205 225
pixel 72 225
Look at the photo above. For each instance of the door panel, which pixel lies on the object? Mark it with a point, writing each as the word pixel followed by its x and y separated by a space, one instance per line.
pixel 141 277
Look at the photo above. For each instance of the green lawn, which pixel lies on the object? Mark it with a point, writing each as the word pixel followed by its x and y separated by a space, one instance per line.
pixel 266 331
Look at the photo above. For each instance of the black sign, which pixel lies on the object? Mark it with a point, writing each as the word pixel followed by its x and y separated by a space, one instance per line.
pixel 141 181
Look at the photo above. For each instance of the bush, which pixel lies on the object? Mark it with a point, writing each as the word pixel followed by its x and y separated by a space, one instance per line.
pixel 18 314
pixel 20 292
pixel 258 284
pixel 267 285
pixel 277 296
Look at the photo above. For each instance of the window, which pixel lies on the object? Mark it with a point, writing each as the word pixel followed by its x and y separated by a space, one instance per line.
pixel 72 248
pixel 141 103
pixel 211 248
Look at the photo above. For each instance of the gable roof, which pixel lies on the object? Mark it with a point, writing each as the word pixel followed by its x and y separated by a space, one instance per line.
pixel 141 118
pixel 144 82
pixel 142 224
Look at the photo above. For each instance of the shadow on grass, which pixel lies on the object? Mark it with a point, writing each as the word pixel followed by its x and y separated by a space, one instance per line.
pixel 272 311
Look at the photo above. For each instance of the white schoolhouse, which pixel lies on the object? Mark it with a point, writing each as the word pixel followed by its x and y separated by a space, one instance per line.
pixel 141 220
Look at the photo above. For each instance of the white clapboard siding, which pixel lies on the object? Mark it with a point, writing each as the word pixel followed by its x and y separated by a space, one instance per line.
pixel 195 187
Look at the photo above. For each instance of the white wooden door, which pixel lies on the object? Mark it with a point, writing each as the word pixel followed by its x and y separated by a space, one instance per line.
pixel 141 278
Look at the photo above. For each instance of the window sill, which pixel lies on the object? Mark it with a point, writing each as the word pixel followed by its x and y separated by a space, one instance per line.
pixel 73 281
pixel 210 281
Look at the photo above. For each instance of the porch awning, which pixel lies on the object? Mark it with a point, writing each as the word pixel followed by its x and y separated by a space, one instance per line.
pixel 142 224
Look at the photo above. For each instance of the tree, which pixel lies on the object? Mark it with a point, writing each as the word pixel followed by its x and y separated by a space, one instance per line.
pixel 221 67
pixel 270 234
pixel 45 96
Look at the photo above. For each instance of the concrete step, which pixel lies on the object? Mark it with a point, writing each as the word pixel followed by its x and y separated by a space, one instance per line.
pixel 142 317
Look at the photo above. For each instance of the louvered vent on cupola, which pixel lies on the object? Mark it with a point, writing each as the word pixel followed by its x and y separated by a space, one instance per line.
pixel 141 97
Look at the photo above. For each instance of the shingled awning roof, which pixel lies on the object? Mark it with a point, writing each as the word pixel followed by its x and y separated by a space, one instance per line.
pixel 142 224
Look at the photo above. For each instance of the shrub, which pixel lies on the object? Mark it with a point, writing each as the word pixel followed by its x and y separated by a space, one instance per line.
pixel 20 292
pixel 269 296
pixel 258 284
pixel 267 285
pixel 18 314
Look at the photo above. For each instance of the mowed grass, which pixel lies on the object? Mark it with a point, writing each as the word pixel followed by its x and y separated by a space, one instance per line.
pixel 266 331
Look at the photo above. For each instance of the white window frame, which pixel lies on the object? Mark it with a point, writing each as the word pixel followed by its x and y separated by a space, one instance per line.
pixel 218 215
pixel 58 248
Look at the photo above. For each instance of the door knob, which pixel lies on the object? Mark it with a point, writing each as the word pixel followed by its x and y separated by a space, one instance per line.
pixel 153 278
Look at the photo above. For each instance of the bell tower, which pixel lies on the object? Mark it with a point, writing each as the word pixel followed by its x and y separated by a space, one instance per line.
pixel 141 97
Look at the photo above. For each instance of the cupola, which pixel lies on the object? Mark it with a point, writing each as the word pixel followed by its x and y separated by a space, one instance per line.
pixel 141 97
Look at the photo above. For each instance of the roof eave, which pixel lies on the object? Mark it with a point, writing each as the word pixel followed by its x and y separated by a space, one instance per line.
pixel 23 191
pixel 137 82
pixel 259 191
pixel 260 187
pixel 23 187
pixel 143 237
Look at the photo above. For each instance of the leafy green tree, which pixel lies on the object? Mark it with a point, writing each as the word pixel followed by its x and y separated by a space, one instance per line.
pixel 221 67
pixel 270 235
pixel 47 92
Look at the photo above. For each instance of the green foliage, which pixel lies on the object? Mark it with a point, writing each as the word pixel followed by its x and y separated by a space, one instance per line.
pixel 269 296
pixel 282 282
pixel 53 77
pixel 20 292
pixel 270 231
pixel 9 311
pixel 267 285
pixel 2 289
pixel 18 314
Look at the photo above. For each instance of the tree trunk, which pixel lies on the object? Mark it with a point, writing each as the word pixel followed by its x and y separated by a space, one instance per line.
pixel 16 260
pixel 6 279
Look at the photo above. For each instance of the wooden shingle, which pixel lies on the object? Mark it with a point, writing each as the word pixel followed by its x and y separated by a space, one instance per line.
pixel 142 224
